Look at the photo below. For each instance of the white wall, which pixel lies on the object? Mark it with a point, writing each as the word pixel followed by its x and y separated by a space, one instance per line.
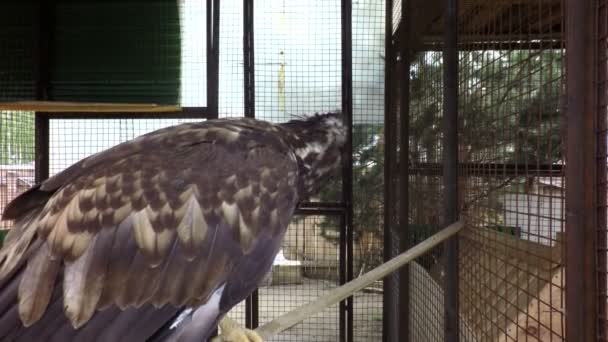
pixel 539 216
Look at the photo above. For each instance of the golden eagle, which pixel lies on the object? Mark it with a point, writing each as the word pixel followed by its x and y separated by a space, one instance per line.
pixel 158 237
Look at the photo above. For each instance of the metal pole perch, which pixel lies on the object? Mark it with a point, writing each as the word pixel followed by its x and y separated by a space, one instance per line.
pixel 338 294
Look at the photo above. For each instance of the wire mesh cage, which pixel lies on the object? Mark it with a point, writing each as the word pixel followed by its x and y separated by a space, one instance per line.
pixel 512 153
pixel 298 71
pixel 16 156
pixel 385 65
pixel 510 174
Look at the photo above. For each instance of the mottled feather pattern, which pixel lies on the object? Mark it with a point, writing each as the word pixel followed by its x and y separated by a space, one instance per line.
pixel 164 219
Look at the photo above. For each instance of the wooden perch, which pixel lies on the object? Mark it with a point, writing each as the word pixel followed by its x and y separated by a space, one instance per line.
pixel 86 107
pixel 338 294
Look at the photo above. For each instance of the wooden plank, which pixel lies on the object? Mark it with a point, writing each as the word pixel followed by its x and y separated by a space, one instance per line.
pixel 507 246
pixel 88 107
pixel 543 318
pixel 512 274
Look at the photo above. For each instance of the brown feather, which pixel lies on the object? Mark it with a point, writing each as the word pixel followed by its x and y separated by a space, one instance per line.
pixel 155 245
pixel 120 257
pixel 142 283
pixel 66 242
pixel 136 280
pixel 217 273
pixel 167 218
pixel 16 246
pixel 173 274
pixel 84 279
pixel 193 228
pixel 37 284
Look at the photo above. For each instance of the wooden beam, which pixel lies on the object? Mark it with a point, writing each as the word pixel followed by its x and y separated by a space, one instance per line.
pixel 90 107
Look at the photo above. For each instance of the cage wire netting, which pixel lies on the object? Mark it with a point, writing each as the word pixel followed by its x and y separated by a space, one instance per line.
pixel 511 154
pixel 297 58
pixel 425 192
pixel 102 51
pixel 17 80
pixel 231 68
pixel 16 128
pixel 298 71
pixel 16 157
pixel 88 137
pixel 511 143
pixel 511 185
pixel 368 51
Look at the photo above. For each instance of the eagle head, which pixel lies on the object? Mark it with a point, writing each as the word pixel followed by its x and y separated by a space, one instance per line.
pixel 318 143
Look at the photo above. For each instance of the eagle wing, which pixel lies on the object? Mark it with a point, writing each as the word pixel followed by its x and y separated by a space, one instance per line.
pixel 163 219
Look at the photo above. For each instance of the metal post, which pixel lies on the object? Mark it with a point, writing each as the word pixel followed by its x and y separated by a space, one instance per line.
pixel 602 168
pixel 581 178
pixel 390 306
pixel 213 48
pixel 248 59
pixel 44 32
pixel 213 54
pixel 404 128
pixel 252 302
pixel 347 166
pixel 41 134
pixel 450 167
pixel 342 276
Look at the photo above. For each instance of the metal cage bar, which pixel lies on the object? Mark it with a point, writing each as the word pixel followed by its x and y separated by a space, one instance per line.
pixel 44 34
pixel 389 309
pixel 252 302
pixel 602 169
pixel 346 234
pixel 581 197
pixel 213 51
pixel 450 166
pixel 404 312
pixel 248 59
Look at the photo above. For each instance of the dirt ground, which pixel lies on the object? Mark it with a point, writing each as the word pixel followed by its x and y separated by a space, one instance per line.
pixel 276 300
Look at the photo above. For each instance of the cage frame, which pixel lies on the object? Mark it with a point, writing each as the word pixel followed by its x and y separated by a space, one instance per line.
pixel 584 316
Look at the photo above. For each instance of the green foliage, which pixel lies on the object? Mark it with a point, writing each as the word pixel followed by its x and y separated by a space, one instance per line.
pixel 509 106
pixel 509 230
pixel 368 168
pixel 2 236
pixel 16 137
pixel 509 113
